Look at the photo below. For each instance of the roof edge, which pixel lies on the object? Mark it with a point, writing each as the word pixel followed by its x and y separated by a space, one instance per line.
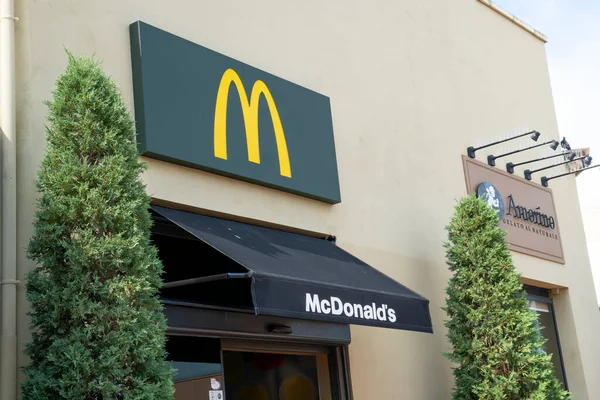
pixel 514 19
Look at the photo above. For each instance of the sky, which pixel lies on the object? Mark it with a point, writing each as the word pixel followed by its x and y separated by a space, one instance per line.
pixel 573 50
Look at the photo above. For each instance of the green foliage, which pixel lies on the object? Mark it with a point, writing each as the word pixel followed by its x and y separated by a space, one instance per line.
pixel 97 325
pixel 495 343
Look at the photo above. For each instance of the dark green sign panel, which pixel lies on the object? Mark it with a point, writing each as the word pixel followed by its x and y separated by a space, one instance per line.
pixel 201 109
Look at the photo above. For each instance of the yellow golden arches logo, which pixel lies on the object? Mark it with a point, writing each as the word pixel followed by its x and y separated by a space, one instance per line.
pixel 250 113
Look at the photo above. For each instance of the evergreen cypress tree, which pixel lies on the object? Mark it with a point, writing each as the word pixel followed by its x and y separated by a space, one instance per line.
pixel 97 325
pixel 495 343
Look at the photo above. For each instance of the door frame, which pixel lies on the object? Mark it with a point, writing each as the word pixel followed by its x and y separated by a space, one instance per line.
pixel 243 331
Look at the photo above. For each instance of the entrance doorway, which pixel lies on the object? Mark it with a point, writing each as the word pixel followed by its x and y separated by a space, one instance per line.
pixel 218 346
pixel 219 369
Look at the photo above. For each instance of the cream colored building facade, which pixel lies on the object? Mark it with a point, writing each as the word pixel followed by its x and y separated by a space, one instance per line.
pixel 412 84
pixel 592 232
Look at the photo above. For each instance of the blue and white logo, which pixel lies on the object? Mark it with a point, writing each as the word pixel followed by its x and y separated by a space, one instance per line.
pixel 492 196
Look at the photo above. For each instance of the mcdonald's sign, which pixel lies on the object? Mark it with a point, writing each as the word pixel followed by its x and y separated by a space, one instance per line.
pixel 198 108
pixel 250 114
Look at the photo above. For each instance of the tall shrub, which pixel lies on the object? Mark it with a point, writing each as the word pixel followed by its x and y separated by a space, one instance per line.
pixel 98 328
pixel 496 346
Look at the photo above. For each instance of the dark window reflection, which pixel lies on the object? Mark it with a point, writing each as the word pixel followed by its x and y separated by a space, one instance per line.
pixel 262 376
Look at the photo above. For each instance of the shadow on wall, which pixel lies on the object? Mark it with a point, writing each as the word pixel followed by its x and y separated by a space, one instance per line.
pixel 385 354
pixel 569 344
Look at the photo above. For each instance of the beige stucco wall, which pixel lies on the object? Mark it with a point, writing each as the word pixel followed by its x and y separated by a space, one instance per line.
pixel 412 84
pixel 591 222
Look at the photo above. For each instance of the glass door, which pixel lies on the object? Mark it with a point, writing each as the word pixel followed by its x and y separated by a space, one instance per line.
pixel 255 371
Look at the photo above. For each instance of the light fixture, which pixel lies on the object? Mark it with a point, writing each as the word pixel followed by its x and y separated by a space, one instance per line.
pixel 510 167
pixel 492 158
pixel 471 150
pixel 283 329
pixel 587 160
pixel 545 179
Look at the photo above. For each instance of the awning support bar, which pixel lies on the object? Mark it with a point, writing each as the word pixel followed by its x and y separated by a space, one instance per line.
pixel 210 278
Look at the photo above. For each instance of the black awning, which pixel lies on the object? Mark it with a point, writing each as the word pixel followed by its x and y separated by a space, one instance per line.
pixel 298 276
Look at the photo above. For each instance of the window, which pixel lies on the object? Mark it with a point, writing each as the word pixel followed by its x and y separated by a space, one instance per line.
pixel 197 364
pixel 541 303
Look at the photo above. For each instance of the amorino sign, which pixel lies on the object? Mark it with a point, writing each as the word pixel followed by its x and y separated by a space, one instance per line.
pixel 530 215
pixel 525 210
pixel 200 109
